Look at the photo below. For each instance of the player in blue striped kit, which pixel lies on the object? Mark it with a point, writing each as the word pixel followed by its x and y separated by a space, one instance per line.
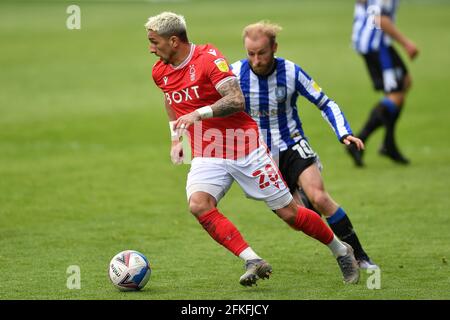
pixel 271 86
pixel 373 33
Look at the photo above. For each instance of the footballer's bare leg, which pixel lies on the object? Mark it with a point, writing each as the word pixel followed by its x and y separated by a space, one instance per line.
pixel 201 202
pixel 310 223
pixel 310 180
pixel 203 206
pixel 312 183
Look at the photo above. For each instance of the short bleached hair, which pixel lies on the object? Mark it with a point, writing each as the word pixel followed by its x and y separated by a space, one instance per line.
pixel 266 28
pixel 167 24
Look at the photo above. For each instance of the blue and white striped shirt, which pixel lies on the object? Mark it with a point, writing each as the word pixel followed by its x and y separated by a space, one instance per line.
pixel 367 36
pixel 272 102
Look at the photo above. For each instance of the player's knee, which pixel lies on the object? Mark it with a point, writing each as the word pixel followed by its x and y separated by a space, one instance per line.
pixel 200 205
pixel 320 199
pixel 289 213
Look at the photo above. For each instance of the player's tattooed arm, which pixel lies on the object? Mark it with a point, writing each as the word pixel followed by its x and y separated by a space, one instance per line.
pixel 232 99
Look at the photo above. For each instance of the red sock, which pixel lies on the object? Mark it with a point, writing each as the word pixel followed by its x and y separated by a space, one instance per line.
pixel 223 231
pixel 310 223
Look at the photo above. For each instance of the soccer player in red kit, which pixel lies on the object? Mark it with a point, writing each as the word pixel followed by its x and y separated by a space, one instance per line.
pixel 203 100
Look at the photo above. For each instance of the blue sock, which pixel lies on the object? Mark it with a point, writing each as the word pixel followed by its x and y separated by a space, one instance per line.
pixel 337 216
pixel 343 229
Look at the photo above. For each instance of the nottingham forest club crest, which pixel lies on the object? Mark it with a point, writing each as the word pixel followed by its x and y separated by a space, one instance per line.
pixel 280 94
pixel 192 72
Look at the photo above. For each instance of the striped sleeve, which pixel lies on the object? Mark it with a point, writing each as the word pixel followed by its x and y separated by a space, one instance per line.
pixel 331 112
pixel 336 119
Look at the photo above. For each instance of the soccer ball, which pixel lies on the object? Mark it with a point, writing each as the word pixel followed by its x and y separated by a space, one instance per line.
pixel 129 270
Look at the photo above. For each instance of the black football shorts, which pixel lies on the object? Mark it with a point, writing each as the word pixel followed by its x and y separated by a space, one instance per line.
pixel 294 160
pixel 376 64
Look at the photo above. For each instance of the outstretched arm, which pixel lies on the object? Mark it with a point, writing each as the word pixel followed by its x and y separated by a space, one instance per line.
pixel 330 111
pixel 389 27
pixel 337 121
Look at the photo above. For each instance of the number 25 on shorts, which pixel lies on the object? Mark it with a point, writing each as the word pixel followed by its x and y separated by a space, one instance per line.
pixel 267 176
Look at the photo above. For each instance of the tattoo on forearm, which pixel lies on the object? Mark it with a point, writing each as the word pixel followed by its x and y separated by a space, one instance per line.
pixel 232 99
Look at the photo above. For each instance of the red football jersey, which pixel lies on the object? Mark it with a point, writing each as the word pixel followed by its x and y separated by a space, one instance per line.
pixel 192 85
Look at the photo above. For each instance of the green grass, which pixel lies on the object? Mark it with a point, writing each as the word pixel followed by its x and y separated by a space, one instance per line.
pixel 85 170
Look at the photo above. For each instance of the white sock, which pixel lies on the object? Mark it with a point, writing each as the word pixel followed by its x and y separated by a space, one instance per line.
pixel 337 247
pixel 249 254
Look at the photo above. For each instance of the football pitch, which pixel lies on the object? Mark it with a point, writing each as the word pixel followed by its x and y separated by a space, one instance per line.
pixel 85 170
